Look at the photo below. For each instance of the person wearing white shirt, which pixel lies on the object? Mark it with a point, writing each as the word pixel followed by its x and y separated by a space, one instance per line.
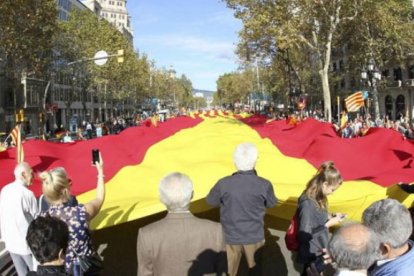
pixel 18 207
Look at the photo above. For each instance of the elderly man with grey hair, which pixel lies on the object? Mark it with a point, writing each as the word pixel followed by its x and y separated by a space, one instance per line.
pixel 18 207
pixel 180 243
pixel 392 222
pixel 243 198
pixel 353 248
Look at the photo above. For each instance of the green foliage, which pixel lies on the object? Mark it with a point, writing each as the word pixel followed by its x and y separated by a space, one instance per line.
pixel 385 33
pixel 235 87
pixel 84 35
pixel 26 32
pixel 296 37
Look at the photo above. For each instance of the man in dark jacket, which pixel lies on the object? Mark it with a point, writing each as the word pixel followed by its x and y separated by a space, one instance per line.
pixel 243 198
pixel 392 222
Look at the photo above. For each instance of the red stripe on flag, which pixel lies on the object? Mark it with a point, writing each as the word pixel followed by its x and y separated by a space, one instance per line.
pixel 354 102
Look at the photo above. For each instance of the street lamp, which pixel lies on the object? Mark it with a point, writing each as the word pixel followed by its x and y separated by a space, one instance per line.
pixel 172 80
pixel 373 76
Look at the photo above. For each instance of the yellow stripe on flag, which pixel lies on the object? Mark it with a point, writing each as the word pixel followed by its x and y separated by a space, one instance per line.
pixel 204 153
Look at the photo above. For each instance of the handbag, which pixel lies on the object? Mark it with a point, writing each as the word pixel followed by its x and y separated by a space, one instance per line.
pixel 291 236
pixel 90 265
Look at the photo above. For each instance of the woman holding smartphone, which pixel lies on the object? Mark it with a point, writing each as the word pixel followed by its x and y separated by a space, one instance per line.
pixel 56 188
pixel 314 220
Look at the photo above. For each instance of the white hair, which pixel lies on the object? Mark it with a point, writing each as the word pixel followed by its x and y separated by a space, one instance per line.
pixel 21 168
pixel 245 156
pixel 176 191
pixel 390 220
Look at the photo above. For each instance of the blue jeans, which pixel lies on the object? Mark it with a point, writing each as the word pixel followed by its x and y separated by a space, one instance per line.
pixel 22 263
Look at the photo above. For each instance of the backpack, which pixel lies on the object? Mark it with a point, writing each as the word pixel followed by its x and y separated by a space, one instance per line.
pixel 291 236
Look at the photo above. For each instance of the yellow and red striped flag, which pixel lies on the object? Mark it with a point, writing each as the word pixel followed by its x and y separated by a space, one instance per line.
pixel 16 136
pixel 354 102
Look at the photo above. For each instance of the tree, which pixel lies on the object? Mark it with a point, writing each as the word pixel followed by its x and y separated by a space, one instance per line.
pixel 385 36
pixel 26 32
pixel 235 87
pixel 185 92
pixel 309 29
pixel 83 35
pixel 274 26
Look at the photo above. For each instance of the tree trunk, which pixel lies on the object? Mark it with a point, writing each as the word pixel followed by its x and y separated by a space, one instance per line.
pixel 326 95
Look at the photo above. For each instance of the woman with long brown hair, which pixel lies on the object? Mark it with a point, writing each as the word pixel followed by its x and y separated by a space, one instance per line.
pixel 313 217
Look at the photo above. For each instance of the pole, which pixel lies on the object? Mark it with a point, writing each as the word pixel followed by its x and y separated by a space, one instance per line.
pixel 375 96
pixel 105 104
pixel 339 111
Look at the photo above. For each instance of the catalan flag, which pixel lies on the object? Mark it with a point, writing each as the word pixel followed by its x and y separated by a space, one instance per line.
pixel 354 102
pixel 16 136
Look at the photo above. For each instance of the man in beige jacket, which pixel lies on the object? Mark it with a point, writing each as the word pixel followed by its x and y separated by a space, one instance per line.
pixel 180 244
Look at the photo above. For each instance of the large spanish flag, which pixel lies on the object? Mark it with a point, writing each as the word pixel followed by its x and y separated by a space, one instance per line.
pixel 201 146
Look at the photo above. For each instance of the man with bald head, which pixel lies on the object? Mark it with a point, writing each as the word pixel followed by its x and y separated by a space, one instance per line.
pixel 18 207
pixel 354 248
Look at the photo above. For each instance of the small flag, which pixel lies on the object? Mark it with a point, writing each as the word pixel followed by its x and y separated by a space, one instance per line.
pixel 16 136
pixel 344 119
pixel 154 120
pixel 301 103
pixel 354 102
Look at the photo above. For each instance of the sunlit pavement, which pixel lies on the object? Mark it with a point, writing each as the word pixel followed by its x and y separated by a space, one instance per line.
pixel 117 245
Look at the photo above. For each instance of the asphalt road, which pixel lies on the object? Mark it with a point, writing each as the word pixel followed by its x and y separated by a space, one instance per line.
pixel 117 245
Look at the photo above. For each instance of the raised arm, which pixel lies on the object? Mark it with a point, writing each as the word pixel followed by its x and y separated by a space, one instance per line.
pixel 94 206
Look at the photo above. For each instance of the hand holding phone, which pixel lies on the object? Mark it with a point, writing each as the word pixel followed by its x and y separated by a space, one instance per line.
pixel 95 156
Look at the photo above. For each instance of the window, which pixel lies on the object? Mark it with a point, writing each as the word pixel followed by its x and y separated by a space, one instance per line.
pixel 397 74
pixel 388 106
pixel 411 72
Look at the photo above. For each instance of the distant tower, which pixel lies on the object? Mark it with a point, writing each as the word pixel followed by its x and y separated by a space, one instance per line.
pixel 115 12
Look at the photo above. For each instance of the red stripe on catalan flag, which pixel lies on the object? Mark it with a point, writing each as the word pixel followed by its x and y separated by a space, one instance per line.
pixel 354 102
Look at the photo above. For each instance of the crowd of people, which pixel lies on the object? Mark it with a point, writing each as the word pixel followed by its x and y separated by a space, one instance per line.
pixel 56 231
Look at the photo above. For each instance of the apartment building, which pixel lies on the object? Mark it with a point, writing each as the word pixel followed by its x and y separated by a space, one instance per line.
pixel 46 100
pixel 395 86
pixel 115 11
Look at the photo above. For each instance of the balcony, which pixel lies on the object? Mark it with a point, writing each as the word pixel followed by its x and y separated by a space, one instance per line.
pixel 409 83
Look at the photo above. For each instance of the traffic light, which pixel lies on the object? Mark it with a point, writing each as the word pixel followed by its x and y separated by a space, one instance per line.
pixel 41 116
pixel 120 56
pixel 20 116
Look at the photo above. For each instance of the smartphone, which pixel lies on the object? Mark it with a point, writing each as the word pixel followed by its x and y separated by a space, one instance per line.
pixel 320 264
pixel 95 156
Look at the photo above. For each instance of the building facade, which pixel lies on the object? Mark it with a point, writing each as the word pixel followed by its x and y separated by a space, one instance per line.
pixel 116 13
pixel 61 100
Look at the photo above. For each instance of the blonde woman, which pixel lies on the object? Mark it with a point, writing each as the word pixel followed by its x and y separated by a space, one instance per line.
pixel 314 220
pixel 56 188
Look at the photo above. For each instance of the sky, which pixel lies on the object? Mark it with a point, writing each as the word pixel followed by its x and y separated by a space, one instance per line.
pixel 194 37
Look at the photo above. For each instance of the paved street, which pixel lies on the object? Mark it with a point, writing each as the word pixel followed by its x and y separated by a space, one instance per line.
pixel 118 246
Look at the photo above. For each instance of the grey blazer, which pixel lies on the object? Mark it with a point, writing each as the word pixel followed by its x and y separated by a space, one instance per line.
pixel 181 244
